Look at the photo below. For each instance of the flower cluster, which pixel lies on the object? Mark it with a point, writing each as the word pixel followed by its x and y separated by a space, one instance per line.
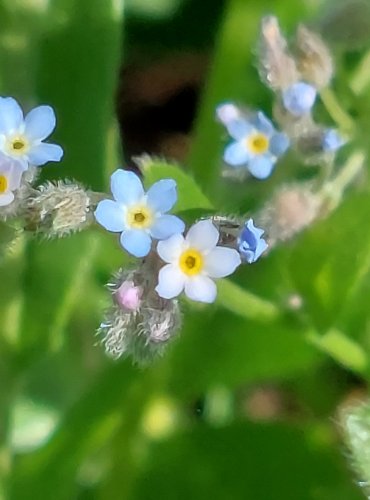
pixel 146 230
pixel 22 148
pixel 296 82
pixel 176 258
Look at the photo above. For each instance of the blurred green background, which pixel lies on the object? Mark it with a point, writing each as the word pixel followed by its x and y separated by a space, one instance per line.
pixel 245 403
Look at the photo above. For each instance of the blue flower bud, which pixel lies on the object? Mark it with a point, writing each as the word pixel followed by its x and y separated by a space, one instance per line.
pixel 250 242
pixel 299 98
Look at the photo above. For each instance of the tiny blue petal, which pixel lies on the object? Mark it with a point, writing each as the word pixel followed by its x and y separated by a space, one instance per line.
pixel 126 187
pixel 110 215
pixel 279 143
pixel 136 242
pixel 166 226
pixel 262 123
pixel 11 115
pixel 250 242
pixel 261 166
pixel 40 122
pixel 43 153
pixel 299 98
pixel 332 140
pixel 236 154
pixel 162 195
pixel 239 128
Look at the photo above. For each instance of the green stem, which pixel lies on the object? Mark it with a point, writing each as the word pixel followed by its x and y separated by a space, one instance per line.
pixel 361 76
pixel 334 189
pixel 335 110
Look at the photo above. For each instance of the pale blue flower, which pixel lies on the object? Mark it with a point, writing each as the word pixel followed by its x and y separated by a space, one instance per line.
pixel 21 138
pixel 250 242
pixel 257 145
pixel 137 215
pixel 332 140
pixel 299 98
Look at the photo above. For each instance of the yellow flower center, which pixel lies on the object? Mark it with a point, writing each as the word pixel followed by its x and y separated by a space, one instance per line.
pixel 258 143
pixel 139 217
pixel 191 262
pixel 3 184
pixel 18 145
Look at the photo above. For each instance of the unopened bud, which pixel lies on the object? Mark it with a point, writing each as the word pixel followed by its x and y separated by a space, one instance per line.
pixel 277 67
pixel 314 58
pixel 291 210
pixel 128 296
pixel 59 209
pixel 140 324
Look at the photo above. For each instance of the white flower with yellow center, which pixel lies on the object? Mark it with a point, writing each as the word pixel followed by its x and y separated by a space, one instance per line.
pixel 139 216
pixel 192 262
pixel 21 137
pixel 10 179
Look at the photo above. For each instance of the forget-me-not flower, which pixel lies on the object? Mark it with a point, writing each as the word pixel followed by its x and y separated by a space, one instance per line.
pixel 299 98
pixel 139 216
pixel 257 145
pixel 192 262
pixel 21 138
pixel 250 242
pixel 10 179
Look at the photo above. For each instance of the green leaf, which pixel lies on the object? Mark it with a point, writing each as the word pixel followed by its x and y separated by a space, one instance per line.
pixel 190 196
pixel 331 260
pixel 244 460
pixel 82 87
pixel 222 349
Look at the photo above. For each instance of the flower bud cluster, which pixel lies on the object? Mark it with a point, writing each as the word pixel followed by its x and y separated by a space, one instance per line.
pixel 139 323
pixel 296 98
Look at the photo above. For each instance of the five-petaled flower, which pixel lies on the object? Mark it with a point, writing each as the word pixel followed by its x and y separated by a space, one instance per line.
pixel 192 262
pixel 139 216
pixel 10 179
pixel 21 137
pixel 250 242
pixel 257 145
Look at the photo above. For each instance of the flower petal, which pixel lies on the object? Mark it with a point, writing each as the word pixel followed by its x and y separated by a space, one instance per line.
pixel 162 195
pixel 136 242
pixel 279 143
pixel 110 215
pixel 171 249
pixel 11 115
pixel 201 289
pixel 6 198
pixel 42 153
pixel 262 123
pixel 227 112
pixel 239 129
pixel 236 154
pixel 165 226
pixel 15 176
pixel 170 282
pixel 221 262
pixel 40 122
pixel 203 235
pixel 126 187
pixel 261 166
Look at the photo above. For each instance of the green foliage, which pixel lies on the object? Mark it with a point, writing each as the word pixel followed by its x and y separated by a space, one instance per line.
pixel 123 432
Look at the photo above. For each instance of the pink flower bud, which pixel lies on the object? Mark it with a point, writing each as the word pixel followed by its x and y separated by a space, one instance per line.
pixel 128 296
